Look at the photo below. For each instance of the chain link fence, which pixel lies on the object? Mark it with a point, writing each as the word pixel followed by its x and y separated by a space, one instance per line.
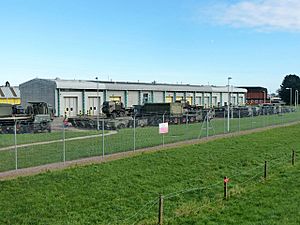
pixel 20 147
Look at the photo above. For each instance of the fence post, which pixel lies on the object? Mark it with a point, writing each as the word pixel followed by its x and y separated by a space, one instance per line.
pixel 207 134
pixel 265 171
pixel 160 209
pixel 15 141
pixel 267 116
pixel 225 187
pixel 163 135
pixel 239 120
pixel 293 157
pixel 264 117
pixel 103 150
pixel 186 119
pixel 134 134
pixel 64 142
pixel 224 121
pixel 252 120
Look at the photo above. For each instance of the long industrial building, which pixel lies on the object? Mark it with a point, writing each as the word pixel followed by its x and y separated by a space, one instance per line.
pixel 73 97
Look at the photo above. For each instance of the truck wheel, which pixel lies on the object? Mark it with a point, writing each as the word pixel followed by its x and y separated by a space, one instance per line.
pixel 121 126
pixel 113 115
pixel 121 114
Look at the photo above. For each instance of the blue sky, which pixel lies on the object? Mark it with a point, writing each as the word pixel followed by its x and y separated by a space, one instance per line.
pixel 180 41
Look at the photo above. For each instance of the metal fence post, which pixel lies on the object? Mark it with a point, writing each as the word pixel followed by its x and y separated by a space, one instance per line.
pixel 224 121
pixel 163 135
pixel 264 122
pixel 64 143
pixel 15 141
pixel 207 134
pixel 103 150
pixel 252 120
pixel 267 117
pixel 186 119
pixel 239 120
pixel 134 134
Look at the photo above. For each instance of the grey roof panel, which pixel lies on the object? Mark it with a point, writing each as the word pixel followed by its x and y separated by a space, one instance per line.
pixel 105 85
pixel 6 91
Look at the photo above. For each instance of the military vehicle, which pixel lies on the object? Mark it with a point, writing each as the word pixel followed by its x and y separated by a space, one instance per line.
pixel 36 118
pixel 113 109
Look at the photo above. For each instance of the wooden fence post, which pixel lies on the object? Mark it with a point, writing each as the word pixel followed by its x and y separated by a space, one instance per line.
pixel 160 210
pixel 225 187
pixel 265 171
pixel 293 157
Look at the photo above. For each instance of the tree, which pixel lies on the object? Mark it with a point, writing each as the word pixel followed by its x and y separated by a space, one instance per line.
pixel 289 81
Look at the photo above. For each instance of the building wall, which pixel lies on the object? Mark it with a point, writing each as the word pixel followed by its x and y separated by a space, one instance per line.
pixel 133 98
pixel 38 90
pixel 79 94
pixel 13 101
pixel 158 96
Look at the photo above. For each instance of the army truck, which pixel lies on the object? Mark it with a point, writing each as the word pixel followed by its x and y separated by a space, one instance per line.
pixel 173 113
pixel 150 114
pixel 36 118
pixel 113 109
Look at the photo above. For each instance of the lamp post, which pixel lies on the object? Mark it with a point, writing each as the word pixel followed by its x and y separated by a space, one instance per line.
pixel 296 98
pixel 291 90
pixel 228 106
pixel 264 97
pixel 98 105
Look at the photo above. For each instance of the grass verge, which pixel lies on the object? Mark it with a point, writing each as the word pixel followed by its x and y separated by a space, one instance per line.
pixel 112 193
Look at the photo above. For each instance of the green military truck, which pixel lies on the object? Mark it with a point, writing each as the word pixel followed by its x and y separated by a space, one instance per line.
pixel 36 118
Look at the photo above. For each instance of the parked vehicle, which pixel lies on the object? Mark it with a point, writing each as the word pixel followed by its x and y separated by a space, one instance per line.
pixel 36 118
pixel 113 109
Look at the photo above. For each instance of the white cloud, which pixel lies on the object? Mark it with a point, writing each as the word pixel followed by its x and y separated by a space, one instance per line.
pixel 262 14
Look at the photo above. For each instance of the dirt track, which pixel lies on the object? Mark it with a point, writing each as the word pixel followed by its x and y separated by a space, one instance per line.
pixel 95 160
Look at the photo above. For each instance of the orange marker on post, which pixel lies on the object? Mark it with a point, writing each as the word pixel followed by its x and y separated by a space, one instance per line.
pixel 226 180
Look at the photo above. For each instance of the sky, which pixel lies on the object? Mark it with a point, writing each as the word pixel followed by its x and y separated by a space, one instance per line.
pixel 180 41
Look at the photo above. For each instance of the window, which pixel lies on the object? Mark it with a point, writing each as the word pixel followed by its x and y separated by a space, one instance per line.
pixel 115 98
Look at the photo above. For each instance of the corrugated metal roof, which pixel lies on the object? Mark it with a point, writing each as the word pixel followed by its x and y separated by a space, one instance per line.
pixel 9 92
pixel 105 85
pixel 231 89
pixel 78 84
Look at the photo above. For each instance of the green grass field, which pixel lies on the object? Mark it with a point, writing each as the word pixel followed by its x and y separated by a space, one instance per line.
pixel 120 142
pixel 126 191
